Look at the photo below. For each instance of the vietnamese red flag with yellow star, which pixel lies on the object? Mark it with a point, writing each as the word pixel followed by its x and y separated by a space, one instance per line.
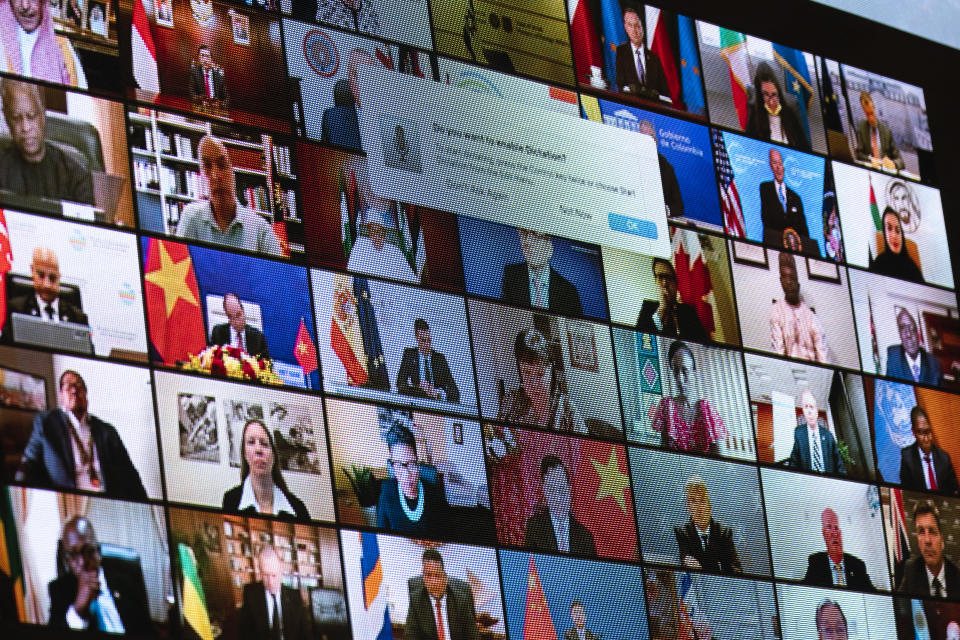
pixel 304 351
pixel 603 501
pixel 537 623
pixel 173 301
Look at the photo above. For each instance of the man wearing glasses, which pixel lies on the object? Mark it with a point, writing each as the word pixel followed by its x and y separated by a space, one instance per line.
pixel 87 596
pixel 668 315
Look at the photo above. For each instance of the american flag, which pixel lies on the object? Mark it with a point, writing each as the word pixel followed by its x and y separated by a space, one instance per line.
pixel 729 198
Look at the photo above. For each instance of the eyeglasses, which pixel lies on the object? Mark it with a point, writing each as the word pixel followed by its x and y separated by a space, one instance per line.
pixel 86 552
pixel 409 466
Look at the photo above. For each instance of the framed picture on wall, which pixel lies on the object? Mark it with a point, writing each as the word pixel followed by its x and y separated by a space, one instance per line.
pixel 241 28
pixel 163 10
pixel 583 346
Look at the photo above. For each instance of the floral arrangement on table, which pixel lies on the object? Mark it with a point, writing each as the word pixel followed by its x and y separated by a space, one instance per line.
pixel 232 362
pixel 499 441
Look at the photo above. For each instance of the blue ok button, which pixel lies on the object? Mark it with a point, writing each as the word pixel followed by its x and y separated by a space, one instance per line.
pixel 633 226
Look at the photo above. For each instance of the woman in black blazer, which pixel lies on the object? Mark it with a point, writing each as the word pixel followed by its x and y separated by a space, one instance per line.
pixel 262 489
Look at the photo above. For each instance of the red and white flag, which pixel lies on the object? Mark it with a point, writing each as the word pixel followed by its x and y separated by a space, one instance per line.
pixel 144 50
pixel 660 45
pixel 6 263
pixel 583 35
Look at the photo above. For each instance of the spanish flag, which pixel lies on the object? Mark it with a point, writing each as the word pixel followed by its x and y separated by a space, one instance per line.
pixel 194 604
pixel 345 337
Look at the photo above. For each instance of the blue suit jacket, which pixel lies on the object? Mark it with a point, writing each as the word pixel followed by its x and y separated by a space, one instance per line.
pixel 897 366
pixel 800 456
pixel 339 126
pixel 48 457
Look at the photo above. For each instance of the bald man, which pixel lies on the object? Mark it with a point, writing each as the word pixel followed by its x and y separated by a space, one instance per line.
pixel 271 610
pixel 833 567
pixel 90 597
pixel 30 165
pixel 45 301
pixel 222 219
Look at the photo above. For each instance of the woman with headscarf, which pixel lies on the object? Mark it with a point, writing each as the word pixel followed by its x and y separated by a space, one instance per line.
pixel 893 260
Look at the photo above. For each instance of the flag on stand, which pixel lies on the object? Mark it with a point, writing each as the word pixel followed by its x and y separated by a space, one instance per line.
pixel 733 48
pixel 345 338
pixel 874 209
pixel 690 75
pixel 349 210
pixel 145 69
pixel 537 623
pixel 173 302
pixel 602 500
pixel 10 562
pixel 411 236
pixel 797 83
pixel 6 264
pixel 613 35
pixel 733 221
pixel 583 35
pixel 377 612
pixel 660 43
pixel 828 101
pixel 901 537
pixel 370 332
pixel 194 603
pixel 693 277
pixel 304 350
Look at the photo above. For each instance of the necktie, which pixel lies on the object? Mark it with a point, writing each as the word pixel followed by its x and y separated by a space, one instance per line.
pixel 538 293
pixel 441 635
pixel 275 627
pixel 931 479
pixel 240 340
pixel 783 196
pixel 563 544
pixel 96 616
pixel 640 70
pixel 427 374
pixel 937 588
pixel 703 540
pixel 874 146
pixel 915 369
pixel 49 311
pixel 838 578
pixel 817 455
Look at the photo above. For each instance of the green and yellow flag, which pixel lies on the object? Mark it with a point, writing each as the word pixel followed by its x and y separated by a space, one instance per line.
pixel 194 604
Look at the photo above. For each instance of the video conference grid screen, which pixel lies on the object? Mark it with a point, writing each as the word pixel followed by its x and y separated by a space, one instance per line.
pixel 470 320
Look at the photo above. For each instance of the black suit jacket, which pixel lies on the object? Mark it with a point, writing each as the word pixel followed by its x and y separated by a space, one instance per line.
pixel 898 367
pixel 540 535
pixel 128 596
pixel 572 634
pixel 671 188
pixel 800 457
pixel 28 305
pixel 8 606
pixel 911 470
pixel 720 555
pixel 915 582
pixel 888 147
pixel 758 124
pixel 627 76
pixel 408 377
pixel 687 326
pixel 775 219
pixel 255 619
pixel 231 504
pixel 253 339
pixel 461 615
pixel 820 574
pixel 198 88
pixel 48 457
pixel 515 290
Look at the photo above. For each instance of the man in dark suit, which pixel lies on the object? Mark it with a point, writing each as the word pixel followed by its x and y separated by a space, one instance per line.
pixel 270 610
pixel 874 140
pixel 437 598
pixel 8 605
pixel 672 197
pixel 69 448
pixel 930 573
pixel 644 78
pixel 814 447
pixel 555 528
pixel 236 332
pixel 45 301
pixel 668 315
pixel 923 465
pixel 833 567
pixel 88 596
pixel 536 283
pixel 780 207
pixel 425 372
pixel 703 542
pixel 579 631
pixel 908 360
pixel 207 82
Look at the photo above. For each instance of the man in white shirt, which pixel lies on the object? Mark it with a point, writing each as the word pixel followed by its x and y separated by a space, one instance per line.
pixel 923 465
pixel 44 301
pixel 373 255
pixel 909 360
pixel 639 70
pixel 555 528
pixel 578 616
pixel 270 609
pixel 441 607
pixel 833 567
pixel 89 597
pixel 931 574
pixel 236 332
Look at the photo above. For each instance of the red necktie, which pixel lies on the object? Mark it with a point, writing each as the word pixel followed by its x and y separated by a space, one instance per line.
pixel 930 477
pixel 440 634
